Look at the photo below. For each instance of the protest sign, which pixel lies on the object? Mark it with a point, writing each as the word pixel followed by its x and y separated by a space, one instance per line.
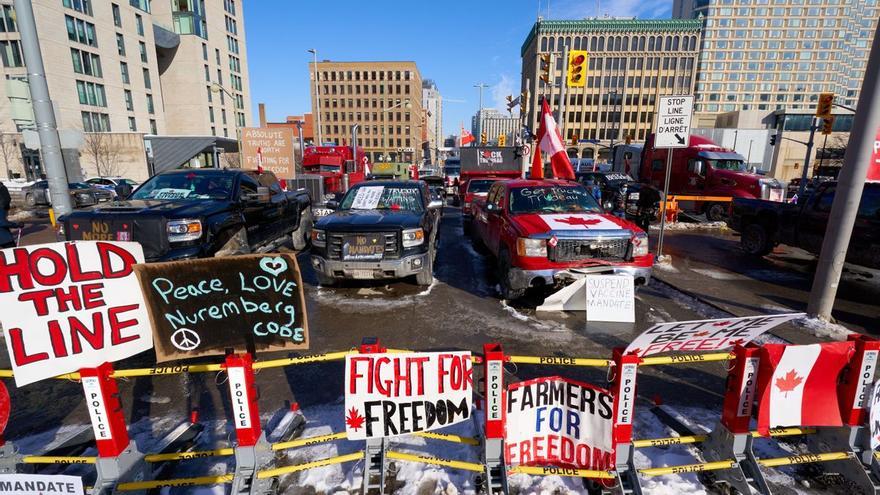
pixel 246 303
pixel 874 420
pixel 553 421
pixel 71 305
pixel 610 298
pixel 388 395
pixel 269 148
pixel 704 335
pixel 40 484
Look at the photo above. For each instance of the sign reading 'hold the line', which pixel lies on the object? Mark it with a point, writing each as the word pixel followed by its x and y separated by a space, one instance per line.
pixel 245 303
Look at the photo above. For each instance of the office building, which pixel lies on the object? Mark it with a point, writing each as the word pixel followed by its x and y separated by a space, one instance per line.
pixel 495 124
pixel 780 54
pixel 432 102
pixel 383 98
pixel 306 121
pixel 631 63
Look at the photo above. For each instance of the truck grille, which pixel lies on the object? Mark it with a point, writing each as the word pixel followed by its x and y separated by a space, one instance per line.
pixel 334 246
pixel 582 249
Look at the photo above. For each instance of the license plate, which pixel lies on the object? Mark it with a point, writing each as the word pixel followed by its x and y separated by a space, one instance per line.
pixel 634 196
pixel 364 247
pixel 362 274
pixel 321 212
pixel 101 231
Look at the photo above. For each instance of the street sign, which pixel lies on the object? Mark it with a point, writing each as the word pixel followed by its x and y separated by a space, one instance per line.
pixel 674 122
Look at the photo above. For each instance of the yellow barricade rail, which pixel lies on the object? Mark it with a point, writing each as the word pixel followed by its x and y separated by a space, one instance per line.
pixel 151 485
pixel 464 465
pixel 804 459
pixel 42 459
pixel 550 471
pixel 271 473
pixel 686 358
pixel 302 442
pixel 195 454
pixel 688 439
pixel 559 361
pixel 687 468
pixel 447 437
pixel 720 199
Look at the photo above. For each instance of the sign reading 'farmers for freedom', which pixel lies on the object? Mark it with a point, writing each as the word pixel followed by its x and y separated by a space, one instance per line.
pixel 203 307
pixel 395 394
pixel 270 148
pixel 71 305
pixel 704 335
pixel 558 422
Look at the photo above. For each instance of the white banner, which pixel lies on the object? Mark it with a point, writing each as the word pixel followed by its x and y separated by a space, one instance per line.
pixel 704 335
pixel 387 395
pixel 40 484
pixel 553 421
pixel 71 305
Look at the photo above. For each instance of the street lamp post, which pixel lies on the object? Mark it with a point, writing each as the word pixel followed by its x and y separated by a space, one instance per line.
pixel 406 104
pixel 216 88
pixel 317 95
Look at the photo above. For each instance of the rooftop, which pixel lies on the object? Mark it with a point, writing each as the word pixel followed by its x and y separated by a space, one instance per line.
pixel 581 26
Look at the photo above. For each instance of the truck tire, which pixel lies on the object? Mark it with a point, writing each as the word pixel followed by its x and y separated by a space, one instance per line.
pixel 426 276
pixel 504 265
pixel 716 212
pixel 755 240
pixel 303 233
pixel 324 280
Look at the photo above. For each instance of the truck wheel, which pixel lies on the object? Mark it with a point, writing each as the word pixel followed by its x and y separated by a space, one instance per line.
pixel 324 280
pixel 716 212
pixel 507 292
pixel 426 276
pixel 755 240
pixel 303 233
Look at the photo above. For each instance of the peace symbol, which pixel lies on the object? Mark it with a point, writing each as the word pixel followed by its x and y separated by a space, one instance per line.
pixel 185 339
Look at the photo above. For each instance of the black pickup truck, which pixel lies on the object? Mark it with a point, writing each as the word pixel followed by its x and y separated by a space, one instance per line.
pixel 199 213
pixel 764 224
pixel 380 229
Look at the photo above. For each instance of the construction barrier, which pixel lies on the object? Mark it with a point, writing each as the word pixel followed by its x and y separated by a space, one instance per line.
pixel 673 209
pixel 726 451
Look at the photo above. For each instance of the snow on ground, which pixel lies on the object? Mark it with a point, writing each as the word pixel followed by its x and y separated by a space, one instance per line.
pixel 821 328
pixel 687 302
pixel 718 274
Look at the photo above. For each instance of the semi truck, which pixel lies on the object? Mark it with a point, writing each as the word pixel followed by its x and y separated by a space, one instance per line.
pixel 481 166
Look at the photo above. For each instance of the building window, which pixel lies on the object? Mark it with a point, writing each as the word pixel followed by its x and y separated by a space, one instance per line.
pixel 95 122
pixel 229 6
pixel 117 15
pixel 7 19
pixel 86 63
pixel 211 114
pixel 120 44
pixel 147 83
pixel 91 94
pixel 232 44
pixel 132 124
pixel 123 68
pixel 210 94
pixel 205 51
pixel 143 48
pixel 140 4
pixel 219 77
pixel 234 64
pixel 81 6
pixel 231 25
pixel 129 101
pixel 153 127
pixel 150 108
pixel 80 31
pixel 207 74
pixel 189 17
pixel 217 55
pixel 139 23
pixel 10 52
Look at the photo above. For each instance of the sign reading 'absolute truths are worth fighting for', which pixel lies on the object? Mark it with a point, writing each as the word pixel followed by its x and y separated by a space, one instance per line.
pixel 559 422
pixel 71 305
pixel 246 303
pixel 395 394
pixel 704 335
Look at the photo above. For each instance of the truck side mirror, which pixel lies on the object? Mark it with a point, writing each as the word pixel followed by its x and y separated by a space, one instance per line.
pixel 263 195
pixel 700 168
pixel 332 204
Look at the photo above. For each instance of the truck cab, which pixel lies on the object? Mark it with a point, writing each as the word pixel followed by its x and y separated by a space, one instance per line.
pixel 334 162
pixel 482 166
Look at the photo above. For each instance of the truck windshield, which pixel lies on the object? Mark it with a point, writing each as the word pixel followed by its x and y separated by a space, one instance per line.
pixel 393 198
pixel 452 170
pixel 479 186
pixel 734 165
pixel 186 187
pixel 552 199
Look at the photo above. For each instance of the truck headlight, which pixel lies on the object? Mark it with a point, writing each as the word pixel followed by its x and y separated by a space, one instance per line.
pixel 640 244
pixel 319 238
pixel 184 230
pixel 413 237
pixel 532 248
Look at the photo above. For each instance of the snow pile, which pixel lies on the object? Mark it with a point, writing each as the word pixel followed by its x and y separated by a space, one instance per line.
pixel 824 329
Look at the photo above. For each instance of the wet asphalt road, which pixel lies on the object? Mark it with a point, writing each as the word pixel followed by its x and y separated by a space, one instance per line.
pixel 461 310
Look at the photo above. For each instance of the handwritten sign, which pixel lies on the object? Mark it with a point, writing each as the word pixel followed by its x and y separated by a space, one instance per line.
pixel 71 305
pixel 387 395
pixel 367 197
pixel 270 148
pixel 610 298
pixel 875 416
pixel 558 422
pixel 246 303
pixel 40 484
pixel 704 335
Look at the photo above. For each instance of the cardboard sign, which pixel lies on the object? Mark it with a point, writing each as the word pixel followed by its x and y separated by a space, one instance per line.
pixel 553 421
pixel 874 421
pixel 40 484
pixel 611 298
pixel 387 395
pixel 71 305
pixel 270 148
pixel 246 303
pixel 704 335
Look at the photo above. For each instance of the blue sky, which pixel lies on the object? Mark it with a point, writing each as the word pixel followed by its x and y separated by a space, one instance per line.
pixel 456 44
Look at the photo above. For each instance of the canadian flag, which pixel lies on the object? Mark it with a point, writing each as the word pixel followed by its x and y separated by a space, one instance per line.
pixel 798 384
pixel 550 142
pixel 466 138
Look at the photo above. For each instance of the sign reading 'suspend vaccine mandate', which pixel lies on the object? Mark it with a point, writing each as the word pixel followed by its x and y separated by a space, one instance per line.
pixel 40 484
pixel 387 395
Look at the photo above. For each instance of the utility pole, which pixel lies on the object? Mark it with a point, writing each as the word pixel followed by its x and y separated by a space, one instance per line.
pixel 317 97
pixel 44 113
pixel 848 194
pixel 480 86
pixel 803 184
pixel 561 110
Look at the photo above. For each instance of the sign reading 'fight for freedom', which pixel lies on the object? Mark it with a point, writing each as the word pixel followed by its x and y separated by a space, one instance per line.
pixel 388 395
pixel 704 335
pixel 71 305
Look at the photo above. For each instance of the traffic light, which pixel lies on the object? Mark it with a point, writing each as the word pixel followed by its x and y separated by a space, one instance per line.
pixel 502 140
pixel 482 139
pixel 523 102
pixel 545 68
pixel 827 124
pixel 773 140
pixel 577 68
pixel 823 108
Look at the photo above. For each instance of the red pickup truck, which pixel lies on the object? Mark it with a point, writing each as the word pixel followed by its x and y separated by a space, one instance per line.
pixel 538 229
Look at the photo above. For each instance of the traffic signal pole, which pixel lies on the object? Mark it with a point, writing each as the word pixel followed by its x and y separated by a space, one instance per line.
pixel 44 113
pixel 850 185
pixel 803 184
pixel 560 122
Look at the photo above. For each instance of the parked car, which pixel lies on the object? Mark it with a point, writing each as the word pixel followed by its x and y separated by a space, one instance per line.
pixel 765 224
pixel 380 230
pixel 185 214
pixel 110 183
pixel 81 194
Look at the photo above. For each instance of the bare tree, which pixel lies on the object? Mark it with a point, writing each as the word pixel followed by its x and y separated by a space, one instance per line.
pixel 231 160
pixel 103 152
pixel 10 152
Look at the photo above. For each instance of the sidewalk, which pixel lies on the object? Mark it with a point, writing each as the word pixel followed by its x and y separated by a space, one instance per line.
pixel 710 266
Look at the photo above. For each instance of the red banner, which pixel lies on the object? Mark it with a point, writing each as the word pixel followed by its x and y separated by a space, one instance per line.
pixel 874 166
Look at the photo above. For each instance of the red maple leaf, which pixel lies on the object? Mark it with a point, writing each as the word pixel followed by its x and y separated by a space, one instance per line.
pixel 636 351
pixel 701 334
pixel 721 324
pixel 789 382
pixel 354 419
pixel 578 221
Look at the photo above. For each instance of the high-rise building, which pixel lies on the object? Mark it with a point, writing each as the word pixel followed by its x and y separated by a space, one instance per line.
pixel 780 54
pixel 432 102
pixel 384 98
pixel 630 63
pixel 494 124
pixel 128 68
